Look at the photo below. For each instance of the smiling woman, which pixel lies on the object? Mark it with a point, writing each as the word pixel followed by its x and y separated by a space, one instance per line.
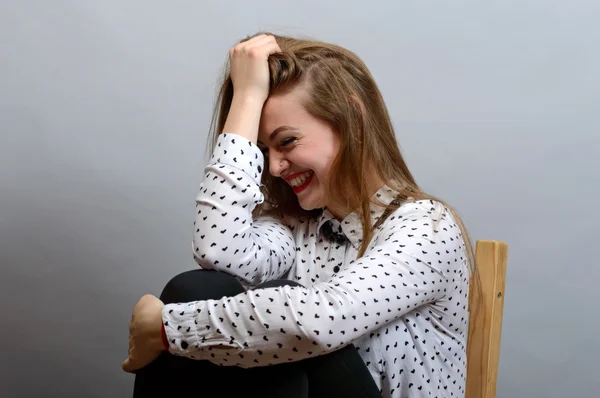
pixel 301 155
pixel 326 270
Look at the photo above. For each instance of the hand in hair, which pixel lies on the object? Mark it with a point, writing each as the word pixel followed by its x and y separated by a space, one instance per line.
pixel 249 72
pixel 249 68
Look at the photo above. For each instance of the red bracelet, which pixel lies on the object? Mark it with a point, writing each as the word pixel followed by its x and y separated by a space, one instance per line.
pixel 164 338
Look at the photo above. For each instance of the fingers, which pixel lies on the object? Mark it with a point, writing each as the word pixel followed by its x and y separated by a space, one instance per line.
pixel 127 366
pixel 271 47
pixel 134 360
pixel 257 41
pixel 127 363
pixel 262 45
pixel 132 363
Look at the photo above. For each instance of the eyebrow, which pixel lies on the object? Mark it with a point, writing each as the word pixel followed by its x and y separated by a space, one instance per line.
pixel 278 130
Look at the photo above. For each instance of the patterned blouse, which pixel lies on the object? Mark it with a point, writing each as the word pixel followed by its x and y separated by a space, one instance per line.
pixel 403 304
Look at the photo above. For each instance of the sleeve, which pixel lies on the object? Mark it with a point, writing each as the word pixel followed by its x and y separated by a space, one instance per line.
pixel 411 263
pixel 226 238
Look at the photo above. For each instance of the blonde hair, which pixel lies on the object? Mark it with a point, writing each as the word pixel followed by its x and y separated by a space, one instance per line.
pixel 342 92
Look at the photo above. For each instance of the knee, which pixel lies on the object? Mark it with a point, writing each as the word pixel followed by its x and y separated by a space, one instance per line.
pixel 200 284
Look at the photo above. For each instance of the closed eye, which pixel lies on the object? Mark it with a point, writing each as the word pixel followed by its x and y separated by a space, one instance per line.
pixel 283 143
pixel 287 141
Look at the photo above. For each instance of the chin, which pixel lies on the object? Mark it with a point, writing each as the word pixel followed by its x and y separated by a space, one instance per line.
pixel 311 204
pixel 307 207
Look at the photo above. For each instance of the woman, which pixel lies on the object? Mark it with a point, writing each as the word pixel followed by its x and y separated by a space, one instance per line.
pixel 332 273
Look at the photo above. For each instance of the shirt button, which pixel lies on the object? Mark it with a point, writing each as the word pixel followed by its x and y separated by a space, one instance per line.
pixel 336 269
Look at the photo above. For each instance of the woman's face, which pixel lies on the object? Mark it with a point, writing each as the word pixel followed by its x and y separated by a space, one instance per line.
pixel 298 147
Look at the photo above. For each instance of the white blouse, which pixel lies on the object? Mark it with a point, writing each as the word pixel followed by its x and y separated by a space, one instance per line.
pixel 403 304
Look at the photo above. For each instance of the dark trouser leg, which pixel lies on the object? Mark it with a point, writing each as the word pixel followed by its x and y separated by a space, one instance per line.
pixel 172 376
pixel 341 373
pixel 338 374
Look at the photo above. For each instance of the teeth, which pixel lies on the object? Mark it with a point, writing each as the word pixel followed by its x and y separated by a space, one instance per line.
pixel 296 182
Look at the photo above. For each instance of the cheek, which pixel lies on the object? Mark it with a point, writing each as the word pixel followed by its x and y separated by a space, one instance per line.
pixel 328 157
pixel 322 170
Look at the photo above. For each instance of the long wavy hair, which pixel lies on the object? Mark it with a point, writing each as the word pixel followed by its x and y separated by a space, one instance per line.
pixel 341 91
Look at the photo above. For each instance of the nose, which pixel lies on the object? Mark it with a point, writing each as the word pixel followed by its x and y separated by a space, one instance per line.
pixel 277 165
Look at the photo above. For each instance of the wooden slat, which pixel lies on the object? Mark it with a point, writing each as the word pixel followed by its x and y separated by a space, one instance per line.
pixel 486 305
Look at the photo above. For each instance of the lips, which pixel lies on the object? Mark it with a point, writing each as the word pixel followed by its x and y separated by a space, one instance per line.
pixel 305 185
pixel 300 181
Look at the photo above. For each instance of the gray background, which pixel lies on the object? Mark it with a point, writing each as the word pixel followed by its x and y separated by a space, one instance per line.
pixel 104 112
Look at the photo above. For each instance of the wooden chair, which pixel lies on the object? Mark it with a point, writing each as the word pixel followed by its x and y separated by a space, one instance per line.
pixel 486 305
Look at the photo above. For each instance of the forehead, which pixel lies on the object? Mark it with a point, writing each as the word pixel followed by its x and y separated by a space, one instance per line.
pixel 282 109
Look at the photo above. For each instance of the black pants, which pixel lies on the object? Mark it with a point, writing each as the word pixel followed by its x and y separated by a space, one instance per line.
pixel 338 374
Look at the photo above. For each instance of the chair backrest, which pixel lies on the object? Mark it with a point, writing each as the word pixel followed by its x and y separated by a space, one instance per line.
pixel 486 305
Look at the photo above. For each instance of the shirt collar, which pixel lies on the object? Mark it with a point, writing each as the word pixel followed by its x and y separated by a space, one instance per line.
pixel 351 225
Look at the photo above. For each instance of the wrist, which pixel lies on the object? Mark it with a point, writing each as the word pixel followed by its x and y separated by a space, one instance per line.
pixel 243 118
pixel 165 341
pixel 247 102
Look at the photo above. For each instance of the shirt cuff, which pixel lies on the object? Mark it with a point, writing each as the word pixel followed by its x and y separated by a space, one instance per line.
pixel 191 333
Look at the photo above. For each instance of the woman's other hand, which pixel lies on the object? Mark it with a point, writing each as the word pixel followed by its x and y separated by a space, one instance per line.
pixel 145 333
